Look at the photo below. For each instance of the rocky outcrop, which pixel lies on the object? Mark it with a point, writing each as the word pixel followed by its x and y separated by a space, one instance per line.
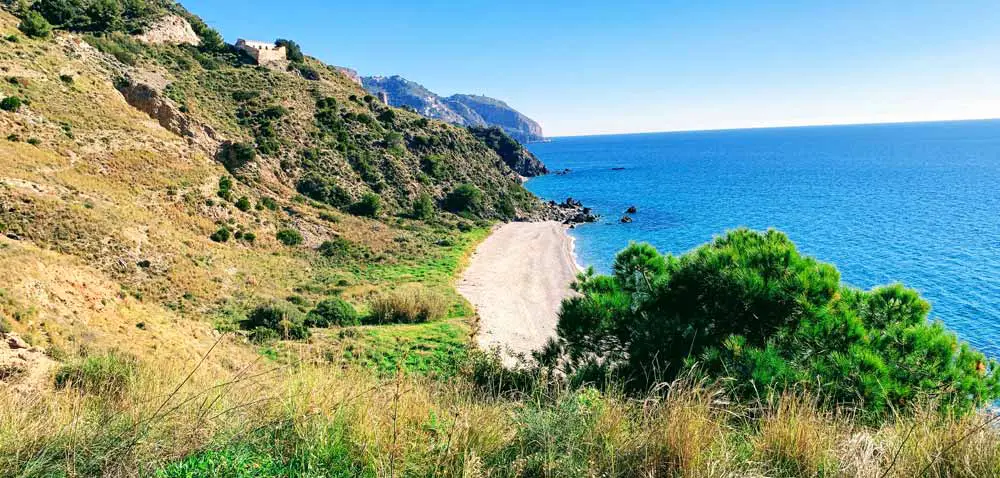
pixel 350 74
pixel 172 30
pixel 522 161
pixel 570 212
pixel 149 100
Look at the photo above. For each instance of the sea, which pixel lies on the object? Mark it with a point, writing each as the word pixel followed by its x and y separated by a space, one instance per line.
pixel 915 203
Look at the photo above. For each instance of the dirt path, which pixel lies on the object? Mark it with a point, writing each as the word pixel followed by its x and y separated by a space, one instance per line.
pixel 517 279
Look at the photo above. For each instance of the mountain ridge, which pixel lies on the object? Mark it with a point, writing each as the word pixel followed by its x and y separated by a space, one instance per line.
pixel 461 109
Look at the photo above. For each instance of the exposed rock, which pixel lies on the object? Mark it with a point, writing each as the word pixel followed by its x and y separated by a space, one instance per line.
pixel 625 219
pixel 14 342
pixel 569 212
pixel 631 210
pixel 171 29
pixel 149 100
pixel 350 74
pixel 618 169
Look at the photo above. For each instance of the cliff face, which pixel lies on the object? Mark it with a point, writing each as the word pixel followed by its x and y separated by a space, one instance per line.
pixel 465 110
pixel 494 112
pixel 516 156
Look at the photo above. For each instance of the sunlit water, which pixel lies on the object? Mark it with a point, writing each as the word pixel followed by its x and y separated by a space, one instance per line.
pixel 915 203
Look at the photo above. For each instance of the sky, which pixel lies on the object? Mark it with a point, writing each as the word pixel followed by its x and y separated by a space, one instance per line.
pixel 587 67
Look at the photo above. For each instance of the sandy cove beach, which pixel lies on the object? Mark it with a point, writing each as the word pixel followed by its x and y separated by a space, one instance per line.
pixel 517 279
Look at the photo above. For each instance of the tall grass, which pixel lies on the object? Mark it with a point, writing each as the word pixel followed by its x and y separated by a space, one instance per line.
pixel 312 421
pixel 409 304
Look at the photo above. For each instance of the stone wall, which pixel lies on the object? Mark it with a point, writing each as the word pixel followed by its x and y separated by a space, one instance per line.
pixel 263 53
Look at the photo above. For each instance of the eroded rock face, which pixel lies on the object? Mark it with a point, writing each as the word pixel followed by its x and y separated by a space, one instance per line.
pixel 171 29
pixel 149 100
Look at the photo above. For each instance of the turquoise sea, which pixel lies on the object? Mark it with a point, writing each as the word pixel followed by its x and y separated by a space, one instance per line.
pixel 912 203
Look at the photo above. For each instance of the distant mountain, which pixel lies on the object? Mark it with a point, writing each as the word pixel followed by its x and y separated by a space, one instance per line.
pixel 465 110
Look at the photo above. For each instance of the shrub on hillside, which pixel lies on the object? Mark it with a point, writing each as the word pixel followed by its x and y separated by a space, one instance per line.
pixel 370 205
pixel 338 247
pixel 221 235
pixel 423 207
pixel 465 198
pixel 10 103
pixel 408 305
pixel 332 312
pixel 289 237
pixel 276 320
pixel 243 204
pixel 323 189
pixel 35 25
pixel 237 155
pixel 749 307
pixel 293 52
pixel 108 375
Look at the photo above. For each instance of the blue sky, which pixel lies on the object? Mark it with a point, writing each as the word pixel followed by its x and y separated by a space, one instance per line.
pixel 613 67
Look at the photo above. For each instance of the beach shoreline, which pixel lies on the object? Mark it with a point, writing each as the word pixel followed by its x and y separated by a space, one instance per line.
pixel 517 279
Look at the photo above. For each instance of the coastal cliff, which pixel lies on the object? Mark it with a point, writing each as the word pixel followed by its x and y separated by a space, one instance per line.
pixel 464 110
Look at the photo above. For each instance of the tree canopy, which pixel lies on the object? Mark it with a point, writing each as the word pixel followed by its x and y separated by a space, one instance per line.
pixel 749 307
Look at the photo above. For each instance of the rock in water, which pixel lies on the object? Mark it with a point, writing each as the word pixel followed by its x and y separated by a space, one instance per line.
pixel 631 210
pixel 626 219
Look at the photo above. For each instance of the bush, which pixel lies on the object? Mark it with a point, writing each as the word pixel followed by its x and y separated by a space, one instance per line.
pixel 293 52
pixel 332 312
pixel 108 375
pixel 370 205
pixel 225 188
pixel 423 207
pixel 222 235
pixel 289 237
pixel 275 320
pixel 237 155
pixel 408 305
pixel 323 189
pixel 243 204
pixel 269 203
pixel 249 237
pixel 749 307
pixel 35 25
pixel 338 247
pixel 10 103
pixel 465 198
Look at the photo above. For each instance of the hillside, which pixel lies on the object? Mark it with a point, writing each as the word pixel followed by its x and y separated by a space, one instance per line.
pixel 466 110
pixel 157 193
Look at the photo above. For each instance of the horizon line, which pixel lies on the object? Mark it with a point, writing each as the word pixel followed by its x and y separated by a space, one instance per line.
pixel 784 126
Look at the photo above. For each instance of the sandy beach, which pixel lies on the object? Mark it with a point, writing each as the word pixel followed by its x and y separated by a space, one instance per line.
pixel 517 279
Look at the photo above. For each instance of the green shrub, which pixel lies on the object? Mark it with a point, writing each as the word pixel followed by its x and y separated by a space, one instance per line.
pixel 68 79
pixel 237 155
pixel 337 247
pixel 750 308
pixel 332 312
pixel 269 203
pixel 465 198
pixel 289 237
pixel 278 318
pixel 5 327
pixel 221 235
pixel 423 207
pixel 225 188
pixel 10 103
pixel 249 237
pixel 34 141
pixel 293 52
pixel 35 25
pixel 14 138
pixel 243 204
pixel 408 305
pixel 370 205
pixel 323 189
pixel 108 375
